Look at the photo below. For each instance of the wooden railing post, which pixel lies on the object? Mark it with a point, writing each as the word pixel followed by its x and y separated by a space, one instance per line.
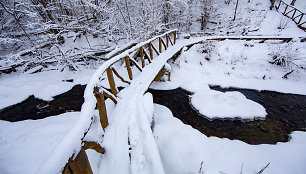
pixel 174 37
pixel 101 107
pixel 128 67
pixel 79 165
pixel 111 81
pixel 160 45
pixel 150 51
pixel 142 59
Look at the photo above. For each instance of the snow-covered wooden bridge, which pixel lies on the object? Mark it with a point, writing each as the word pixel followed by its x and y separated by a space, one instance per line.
pixel 126 138
pixel 293 13
pixel 128 142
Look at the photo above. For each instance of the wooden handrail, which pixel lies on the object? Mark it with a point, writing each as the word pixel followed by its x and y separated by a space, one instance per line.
pixel 294 16
pixel 126 57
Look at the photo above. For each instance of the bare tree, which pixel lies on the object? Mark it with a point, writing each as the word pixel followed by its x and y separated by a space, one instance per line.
pixel 236 9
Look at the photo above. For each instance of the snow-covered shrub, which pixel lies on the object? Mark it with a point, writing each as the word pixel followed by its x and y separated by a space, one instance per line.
pixel 207 48
pixel 283 23
pixel 284 54
pixel 227 2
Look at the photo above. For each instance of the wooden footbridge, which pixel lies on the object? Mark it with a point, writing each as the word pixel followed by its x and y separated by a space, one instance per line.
pixel 127 135
pixel 293 13
pixel 126 141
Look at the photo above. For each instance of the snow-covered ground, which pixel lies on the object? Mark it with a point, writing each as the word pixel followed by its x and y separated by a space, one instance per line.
pixel 25 145
pixel 252 18
pixel 186 150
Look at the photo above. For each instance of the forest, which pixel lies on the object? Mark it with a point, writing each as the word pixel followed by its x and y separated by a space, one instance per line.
pixel 33 32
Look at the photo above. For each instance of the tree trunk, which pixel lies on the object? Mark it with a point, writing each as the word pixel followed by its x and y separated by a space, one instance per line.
pixel 166 13
pixel 204 13
pixel 236 10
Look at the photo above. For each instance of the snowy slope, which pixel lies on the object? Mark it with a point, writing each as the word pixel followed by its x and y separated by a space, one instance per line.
pixel 25 145
pixel 299 4
pixel 185 150
pixel 252 18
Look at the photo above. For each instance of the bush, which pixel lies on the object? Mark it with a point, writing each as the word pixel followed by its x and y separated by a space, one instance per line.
pixel 284 54
pixel 283 23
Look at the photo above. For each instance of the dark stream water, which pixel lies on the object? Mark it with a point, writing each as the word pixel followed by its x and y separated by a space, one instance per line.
pixel 34 108
pixel 286 113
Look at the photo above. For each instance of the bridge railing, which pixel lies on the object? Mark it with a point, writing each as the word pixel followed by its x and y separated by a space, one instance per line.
pixel 145 51
pixel 293 13
pixel 69 155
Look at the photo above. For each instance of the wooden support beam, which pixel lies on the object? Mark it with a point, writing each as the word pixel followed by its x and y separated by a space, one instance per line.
pixel 297 16
pixel 119 76
pixel 150 51
pixel 289 12
pixel 160 75
pixel 174 36
pixel 94 146
pixel 136 64
pixel 301 18
pixel 101 107
pixel 146 54
pixel 110 96
pixel 160 45
pixel 80 165
pixel 170 41
pixel 142 59
pixel 251 38
pixel 111 81
pixel 128 67
pixel 155 50
pixel 285 9
pixel 279 4
pixel 136 53
pixel 164 44
pixel 293 13
pixel 302 23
